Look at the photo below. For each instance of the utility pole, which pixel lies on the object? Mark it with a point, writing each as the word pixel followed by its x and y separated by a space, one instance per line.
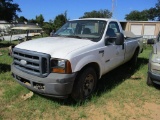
pixel 113 7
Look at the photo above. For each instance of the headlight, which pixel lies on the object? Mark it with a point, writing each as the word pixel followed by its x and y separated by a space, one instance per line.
pixel 156 59
pixel 61 63
pixel 155 71
pixel 154 49
pixel 61 66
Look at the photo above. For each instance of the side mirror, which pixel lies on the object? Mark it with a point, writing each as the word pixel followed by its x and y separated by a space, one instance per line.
pixel 109 40
pixel 119 39
pixel 150 41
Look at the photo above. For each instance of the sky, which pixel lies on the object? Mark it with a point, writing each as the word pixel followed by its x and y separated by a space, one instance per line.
pixel 76 8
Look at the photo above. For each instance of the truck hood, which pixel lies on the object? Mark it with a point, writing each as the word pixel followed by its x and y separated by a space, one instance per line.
pixel 55 46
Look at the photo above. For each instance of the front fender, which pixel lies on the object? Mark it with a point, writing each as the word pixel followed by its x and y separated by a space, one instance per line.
pixel 79 63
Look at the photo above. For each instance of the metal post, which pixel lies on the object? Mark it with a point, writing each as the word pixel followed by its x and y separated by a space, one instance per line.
pixel 27 35
pixel 11 36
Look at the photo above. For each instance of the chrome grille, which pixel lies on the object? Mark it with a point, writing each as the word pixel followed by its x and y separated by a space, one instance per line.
pixel 32 62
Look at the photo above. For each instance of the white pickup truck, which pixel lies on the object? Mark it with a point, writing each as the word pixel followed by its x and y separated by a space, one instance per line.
pixel 74 58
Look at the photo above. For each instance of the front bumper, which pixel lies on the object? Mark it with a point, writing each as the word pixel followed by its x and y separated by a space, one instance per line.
pixel 154 77
pixel 54 85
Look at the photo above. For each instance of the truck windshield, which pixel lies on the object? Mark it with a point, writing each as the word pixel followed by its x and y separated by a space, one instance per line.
pixel 83 29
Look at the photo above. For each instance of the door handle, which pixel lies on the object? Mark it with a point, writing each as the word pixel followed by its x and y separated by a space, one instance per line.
pixel 101 52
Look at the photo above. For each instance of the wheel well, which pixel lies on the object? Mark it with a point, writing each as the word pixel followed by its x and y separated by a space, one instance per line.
pixel 137 49
pixel 95 66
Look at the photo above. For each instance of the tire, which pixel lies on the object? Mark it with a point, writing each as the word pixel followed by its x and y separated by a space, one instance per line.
pixel 84 85
pixel 133 60
pixel 149 81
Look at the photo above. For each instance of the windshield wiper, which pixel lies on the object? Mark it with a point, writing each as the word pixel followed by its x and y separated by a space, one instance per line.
pixel 55 35
pixel 74 36
pixel 71 36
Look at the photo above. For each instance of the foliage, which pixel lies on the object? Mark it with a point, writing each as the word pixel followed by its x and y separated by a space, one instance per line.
pixel 152 13
pixel 56 23
pixel 158 4
pixel 59 21
pixel 32 21
pixel 149 14
pixel 97 14
pixel 157 11
pixel 8 10
pixel 137 15
pixel 40 19
pixel 48 27
pixel 22 19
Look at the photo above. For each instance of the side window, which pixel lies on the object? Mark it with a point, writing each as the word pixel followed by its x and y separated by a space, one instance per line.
pixel 113 28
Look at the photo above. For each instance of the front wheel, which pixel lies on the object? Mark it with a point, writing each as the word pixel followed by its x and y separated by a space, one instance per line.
pixel 84 85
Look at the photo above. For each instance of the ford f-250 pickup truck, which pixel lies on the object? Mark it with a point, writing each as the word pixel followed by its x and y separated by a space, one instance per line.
pixel 72 61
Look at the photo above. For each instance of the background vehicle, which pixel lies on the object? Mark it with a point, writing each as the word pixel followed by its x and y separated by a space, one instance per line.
pixel 72 63
pixel 154 62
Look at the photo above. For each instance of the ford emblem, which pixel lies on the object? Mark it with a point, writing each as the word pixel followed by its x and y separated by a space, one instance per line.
pixel 23 62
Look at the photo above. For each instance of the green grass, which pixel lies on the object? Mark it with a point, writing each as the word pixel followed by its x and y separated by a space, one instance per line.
pixel 121 94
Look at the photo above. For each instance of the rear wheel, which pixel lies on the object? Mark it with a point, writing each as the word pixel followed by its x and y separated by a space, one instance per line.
pixel 84 85
pixel 133 61
pixel 134 58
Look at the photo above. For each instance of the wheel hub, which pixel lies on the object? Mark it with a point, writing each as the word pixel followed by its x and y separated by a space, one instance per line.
pixel 88 84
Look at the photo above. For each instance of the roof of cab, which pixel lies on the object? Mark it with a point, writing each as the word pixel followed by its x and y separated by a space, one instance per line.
pixel 105 19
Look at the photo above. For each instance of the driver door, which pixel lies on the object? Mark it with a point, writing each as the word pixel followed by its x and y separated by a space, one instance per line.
pixel 113 54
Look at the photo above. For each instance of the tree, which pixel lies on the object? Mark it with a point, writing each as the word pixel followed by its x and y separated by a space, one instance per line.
pixel 8 10
pixel 48 26
pixel 40 19
pixel 59 21
pixel 153 14
pixel 97 14
pixel 56 23
pixel 22 19
pixel 137 15
pixel 158 4
pixel 157 11
pixel 32 21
